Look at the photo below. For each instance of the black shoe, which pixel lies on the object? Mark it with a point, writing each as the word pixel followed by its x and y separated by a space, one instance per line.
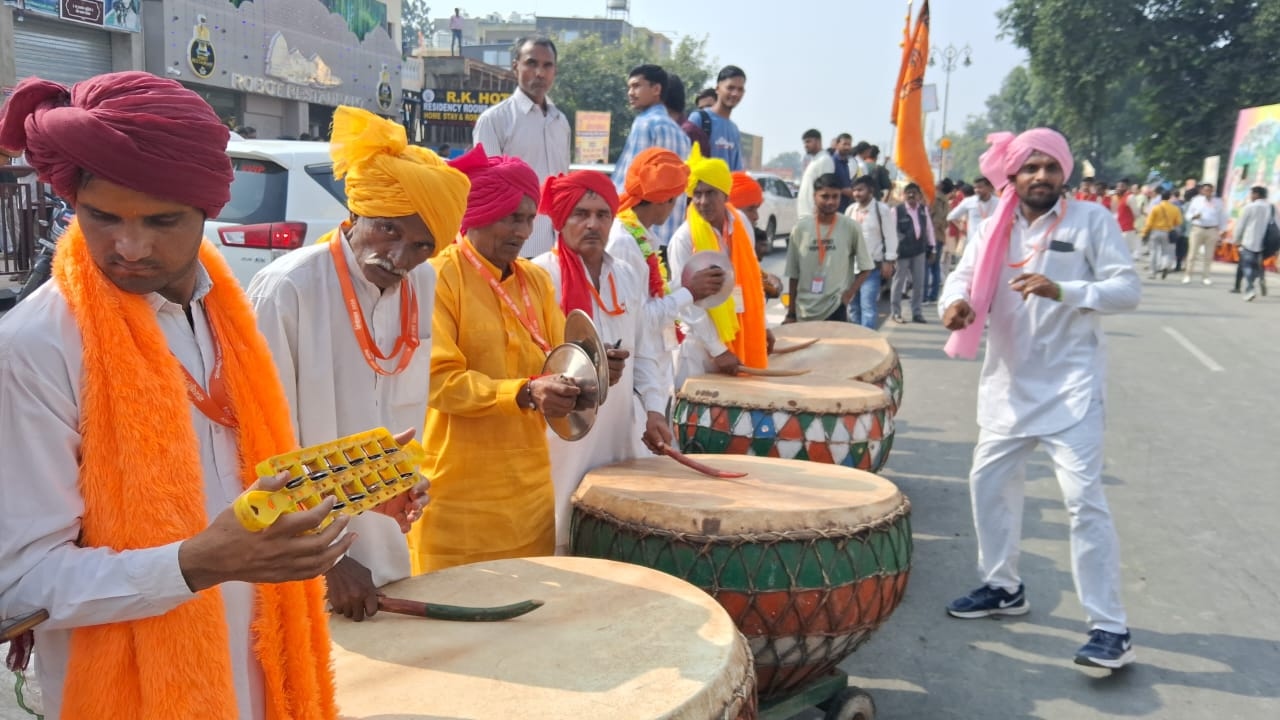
pixel 1164 273
pixel 919 319
pixel 1234 291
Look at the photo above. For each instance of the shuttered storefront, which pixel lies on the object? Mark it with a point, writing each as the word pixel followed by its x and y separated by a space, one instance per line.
pixel 64 52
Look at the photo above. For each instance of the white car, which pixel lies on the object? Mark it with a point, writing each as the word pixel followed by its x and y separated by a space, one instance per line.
pixel 778 213
pixel 283 196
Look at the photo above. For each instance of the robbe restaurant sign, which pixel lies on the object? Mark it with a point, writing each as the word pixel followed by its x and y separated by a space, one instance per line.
pixel 260 48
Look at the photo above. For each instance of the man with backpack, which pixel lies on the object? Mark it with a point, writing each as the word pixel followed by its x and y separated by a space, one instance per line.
pixel 723 140
pixel 1254 229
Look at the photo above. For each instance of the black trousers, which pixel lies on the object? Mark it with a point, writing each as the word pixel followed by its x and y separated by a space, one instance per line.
pixel 840 315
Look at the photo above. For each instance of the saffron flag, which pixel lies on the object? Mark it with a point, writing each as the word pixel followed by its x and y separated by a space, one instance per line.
pixel 909 150
pixel 902 67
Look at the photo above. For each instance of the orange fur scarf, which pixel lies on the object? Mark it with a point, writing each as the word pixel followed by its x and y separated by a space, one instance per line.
pixel 141 480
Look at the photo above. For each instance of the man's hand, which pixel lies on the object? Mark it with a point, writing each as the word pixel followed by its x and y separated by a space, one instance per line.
pixel 617 363
pixel 283 552
pixel 554 395
pixel 727 363
pixel 1034 284
pixel 350 590
pixel 706 282
pixel 657 433
pixel 769 341
pixel 406 507
pixel 886 269
pixel 958 316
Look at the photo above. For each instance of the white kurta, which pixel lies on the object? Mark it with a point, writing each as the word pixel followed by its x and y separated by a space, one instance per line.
pixel 1045 359
pixel 661 313
pixel 332 391
pixel 614 436
pixel 40 564
pixel 702 341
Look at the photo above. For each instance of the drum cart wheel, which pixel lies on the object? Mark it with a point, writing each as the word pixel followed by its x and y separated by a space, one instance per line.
pixel 831 693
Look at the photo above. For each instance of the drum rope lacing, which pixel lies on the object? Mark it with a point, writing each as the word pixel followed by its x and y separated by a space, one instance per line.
pixel 802 661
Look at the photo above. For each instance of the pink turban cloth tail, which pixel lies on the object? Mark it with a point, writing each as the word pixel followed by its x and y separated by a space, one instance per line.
pixel 1007 154
pixel 146 133
pixel 498 184
pixel 560 195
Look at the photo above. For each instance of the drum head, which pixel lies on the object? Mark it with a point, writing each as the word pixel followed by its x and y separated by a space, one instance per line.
pixel 843 350
pixel 572 362
pixel 580 331
pixel 612 640
pixel 702 260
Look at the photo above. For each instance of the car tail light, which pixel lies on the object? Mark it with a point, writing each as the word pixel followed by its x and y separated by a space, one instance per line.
pixel 265 236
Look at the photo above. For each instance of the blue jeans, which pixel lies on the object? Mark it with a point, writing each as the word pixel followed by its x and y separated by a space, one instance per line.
pixel 1251 263
pixel 933 278
pixel 864 309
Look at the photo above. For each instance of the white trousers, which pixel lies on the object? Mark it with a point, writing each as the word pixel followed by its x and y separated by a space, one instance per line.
pixel 996 486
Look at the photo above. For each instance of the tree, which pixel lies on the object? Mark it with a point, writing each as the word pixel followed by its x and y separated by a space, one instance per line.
pixel 792 161
pixel 592 76
pixel 415 17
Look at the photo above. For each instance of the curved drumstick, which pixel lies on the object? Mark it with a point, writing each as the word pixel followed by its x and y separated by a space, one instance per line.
pixel 435 611
pixel 793 348
pixel 769 372
pixel 14 627
pixel 697 466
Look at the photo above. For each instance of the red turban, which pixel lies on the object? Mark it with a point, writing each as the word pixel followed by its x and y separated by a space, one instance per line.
pixel 560 195
pixel 746 191
pixel 498 184
pixel 655 175
pixel 143 132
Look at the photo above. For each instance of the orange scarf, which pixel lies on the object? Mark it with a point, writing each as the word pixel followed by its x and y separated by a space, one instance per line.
pixel 744 333
pixel 140 477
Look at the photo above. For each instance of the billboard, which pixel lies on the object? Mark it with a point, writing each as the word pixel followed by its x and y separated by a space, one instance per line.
pixel 591 136
pixel 457 107
pixel 1255 160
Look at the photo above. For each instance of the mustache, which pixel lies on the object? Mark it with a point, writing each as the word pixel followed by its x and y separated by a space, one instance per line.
pixel 386 265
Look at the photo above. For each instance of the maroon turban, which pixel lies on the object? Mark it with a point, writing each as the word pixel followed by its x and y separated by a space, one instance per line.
pixel 498 184
pixel 560 195
pixel 143 132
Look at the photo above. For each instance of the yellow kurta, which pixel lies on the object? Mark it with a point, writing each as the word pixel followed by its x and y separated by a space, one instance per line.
pixel 491 492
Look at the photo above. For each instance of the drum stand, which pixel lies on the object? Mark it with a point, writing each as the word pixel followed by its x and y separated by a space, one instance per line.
pixel 832 694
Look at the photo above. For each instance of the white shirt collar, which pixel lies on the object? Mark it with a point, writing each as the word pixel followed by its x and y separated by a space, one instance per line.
pixel 203 285
pixel 1053 212
pixel 525 104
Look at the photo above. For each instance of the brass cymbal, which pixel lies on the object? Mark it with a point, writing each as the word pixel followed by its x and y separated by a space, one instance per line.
pixel 580 331
pixel 573 363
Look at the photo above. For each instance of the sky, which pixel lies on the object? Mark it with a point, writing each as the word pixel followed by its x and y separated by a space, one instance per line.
pixel 825 64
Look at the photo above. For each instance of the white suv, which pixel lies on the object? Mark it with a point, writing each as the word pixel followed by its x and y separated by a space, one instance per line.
pixel 283 196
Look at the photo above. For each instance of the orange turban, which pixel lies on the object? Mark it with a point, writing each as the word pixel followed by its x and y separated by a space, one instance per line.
pixel 388 177
pixel 656 175
pixel 746 191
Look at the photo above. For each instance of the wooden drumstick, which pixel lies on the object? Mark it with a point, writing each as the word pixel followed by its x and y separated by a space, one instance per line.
pixel 792 348
pixel 435 611
pixel 697 466
pixel 13 628
pixel 767 372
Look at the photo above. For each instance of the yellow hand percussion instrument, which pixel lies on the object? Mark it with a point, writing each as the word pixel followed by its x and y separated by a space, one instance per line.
pixel 362 471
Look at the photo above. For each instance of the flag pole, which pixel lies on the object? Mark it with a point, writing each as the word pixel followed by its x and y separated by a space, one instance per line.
pixel 897 89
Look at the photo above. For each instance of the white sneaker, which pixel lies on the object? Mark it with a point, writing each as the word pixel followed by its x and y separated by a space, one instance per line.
pixel 1249 296
pixel 1186 280
pixel 1207 281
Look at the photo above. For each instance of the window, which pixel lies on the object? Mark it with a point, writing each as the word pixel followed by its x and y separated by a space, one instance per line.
pixel 258 192
pixel 323 174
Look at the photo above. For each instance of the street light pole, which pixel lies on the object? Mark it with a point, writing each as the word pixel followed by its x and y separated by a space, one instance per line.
pixel 952 57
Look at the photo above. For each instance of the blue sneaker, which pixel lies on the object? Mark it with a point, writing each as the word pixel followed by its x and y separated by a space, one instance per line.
pixel 1106 650
pixel 987 601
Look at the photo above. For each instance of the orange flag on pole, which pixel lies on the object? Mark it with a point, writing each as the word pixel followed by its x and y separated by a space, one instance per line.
pixel 902 68
pixel 909 150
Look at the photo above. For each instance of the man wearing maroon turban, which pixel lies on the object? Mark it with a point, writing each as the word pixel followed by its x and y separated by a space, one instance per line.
pixel 494 322
pixel 136 396
pixel 582 206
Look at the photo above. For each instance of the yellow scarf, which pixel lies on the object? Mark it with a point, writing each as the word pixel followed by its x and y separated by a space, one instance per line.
pixel 743 332
pixel 141 480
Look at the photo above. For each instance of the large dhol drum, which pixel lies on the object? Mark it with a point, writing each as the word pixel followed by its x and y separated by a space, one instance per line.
pixel 843 350
pixel 612 641
pixel 808 559
pixel 841 411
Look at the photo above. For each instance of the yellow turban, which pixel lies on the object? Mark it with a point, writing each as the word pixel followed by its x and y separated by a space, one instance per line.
pixel 712 171
pixel 388 177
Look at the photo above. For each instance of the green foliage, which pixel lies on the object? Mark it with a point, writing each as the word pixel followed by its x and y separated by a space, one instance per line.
pixel 592 76
pixel 792 161
pixel 1164 78
pixel 415 17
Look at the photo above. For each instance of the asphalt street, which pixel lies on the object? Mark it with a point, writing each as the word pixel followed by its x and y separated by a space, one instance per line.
pixel 1191 479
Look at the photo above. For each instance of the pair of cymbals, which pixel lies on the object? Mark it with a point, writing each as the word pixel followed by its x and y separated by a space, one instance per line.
pixel 582 360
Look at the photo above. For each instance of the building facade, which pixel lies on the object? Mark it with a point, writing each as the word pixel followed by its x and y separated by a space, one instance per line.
pixel 68 40
pixel 280 67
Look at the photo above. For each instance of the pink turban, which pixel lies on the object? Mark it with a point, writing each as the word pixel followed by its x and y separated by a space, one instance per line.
pixel 498 184
pixel 143 132
pixel 1007 154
